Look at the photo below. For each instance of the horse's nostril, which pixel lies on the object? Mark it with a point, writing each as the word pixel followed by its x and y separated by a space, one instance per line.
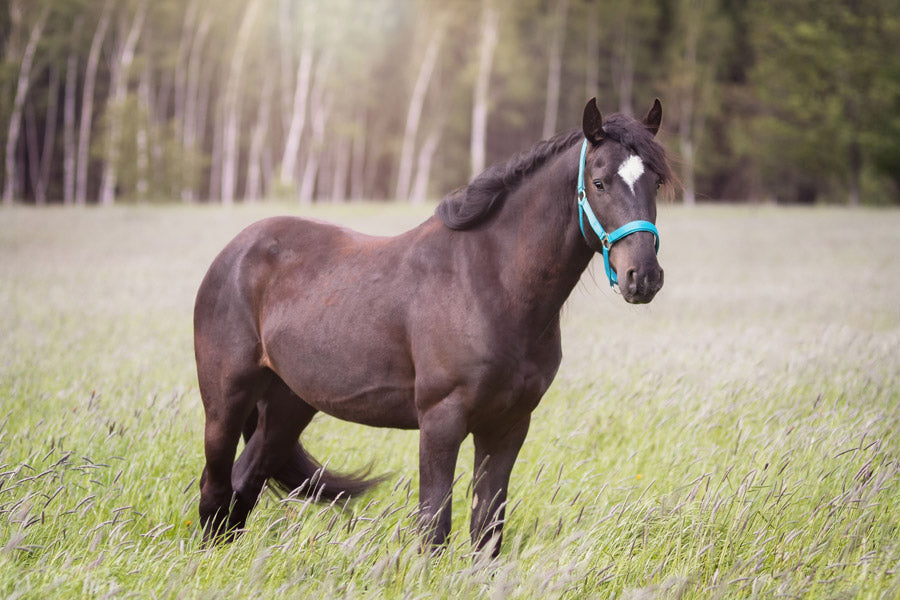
pixel 631 280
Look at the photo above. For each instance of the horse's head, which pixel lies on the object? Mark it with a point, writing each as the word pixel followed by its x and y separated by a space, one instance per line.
pixel 622 168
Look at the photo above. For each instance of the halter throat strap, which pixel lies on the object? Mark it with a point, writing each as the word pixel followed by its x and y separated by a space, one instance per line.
pixel 606 239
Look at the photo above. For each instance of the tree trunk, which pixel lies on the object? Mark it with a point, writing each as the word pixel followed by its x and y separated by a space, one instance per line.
pixel 320 104
pixel 623 60
pixel 142 141
pixel 258 139
pixel 87 104
pixel 215 168
pixel 69 143
pixel 43 184
pixel 15 119
pixel 420 89
pixel 855 161
pixel 301 97
pixel 118 93
pixel 592 51
pixel 285 62
pixel 32 150
pixel 489 36
pixel 232 106
pixel 183 54
pixel 321 111
pixel 193 121
pixel 423 167
pixel 340 169
pixel 358 167
pixel 554 71
pixel 687 129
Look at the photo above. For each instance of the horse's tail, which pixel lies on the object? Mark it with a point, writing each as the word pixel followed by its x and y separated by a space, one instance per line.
pixel 304 475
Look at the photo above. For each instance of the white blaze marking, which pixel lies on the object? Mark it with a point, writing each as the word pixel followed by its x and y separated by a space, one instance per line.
pixel 631 170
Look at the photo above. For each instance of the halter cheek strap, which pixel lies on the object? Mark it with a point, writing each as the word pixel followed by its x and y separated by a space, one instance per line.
pixel 606 240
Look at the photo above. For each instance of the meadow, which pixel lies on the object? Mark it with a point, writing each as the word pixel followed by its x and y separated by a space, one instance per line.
pixel 736 438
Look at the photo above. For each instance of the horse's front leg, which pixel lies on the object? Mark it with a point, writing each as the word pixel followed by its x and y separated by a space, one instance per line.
pixel 441 431
pixel 496 449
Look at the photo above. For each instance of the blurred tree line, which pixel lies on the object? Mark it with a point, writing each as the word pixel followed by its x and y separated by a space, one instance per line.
pixel 237 100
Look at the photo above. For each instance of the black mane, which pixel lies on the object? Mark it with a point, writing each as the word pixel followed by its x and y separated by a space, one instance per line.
pixel 466 207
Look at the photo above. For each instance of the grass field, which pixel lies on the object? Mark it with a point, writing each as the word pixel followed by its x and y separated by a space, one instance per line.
pixel 737 438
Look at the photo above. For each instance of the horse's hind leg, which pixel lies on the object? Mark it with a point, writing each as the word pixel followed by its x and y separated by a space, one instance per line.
pixel 229 396
pixel 282 416
pixel 495 455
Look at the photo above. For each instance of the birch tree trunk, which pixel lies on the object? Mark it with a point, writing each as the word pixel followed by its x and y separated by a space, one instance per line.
pixel 623 59
pixel 69 144
pixel 423 166
pixel 358 161
pixel 489 37
pixel 687 125
pixel 87 104
pixel 183 54
pixel 15 119
pixel 321 111
pixel 592 52
pixel 232 106
pixel 340 170
pixel 215 169
pixel 301 97
pixel 285 62
pixel 32 149
pixel 193 120
pixel 413 115
pixel 258 139
pixel 142 142
pixel 554 72
pixel 43 184
pixel 119 90
pixel 320 105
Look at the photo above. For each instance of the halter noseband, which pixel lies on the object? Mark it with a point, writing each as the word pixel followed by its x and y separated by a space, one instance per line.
pixel 606 240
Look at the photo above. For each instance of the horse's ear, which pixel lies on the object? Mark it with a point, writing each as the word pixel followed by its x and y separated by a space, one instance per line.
pixel 592 122
pixel 654 117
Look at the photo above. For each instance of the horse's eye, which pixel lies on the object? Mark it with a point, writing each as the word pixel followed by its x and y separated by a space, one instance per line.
pixel 599 184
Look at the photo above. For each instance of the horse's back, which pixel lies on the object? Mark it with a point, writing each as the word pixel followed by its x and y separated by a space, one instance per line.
pixel 321 306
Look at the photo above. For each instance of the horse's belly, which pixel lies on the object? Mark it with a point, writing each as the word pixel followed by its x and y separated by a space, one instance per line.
pixel 349 379
pixel 377 407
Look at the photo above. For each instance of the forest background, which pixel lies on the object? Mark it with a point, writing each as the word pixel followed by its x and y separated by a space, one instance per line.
pixel 105 101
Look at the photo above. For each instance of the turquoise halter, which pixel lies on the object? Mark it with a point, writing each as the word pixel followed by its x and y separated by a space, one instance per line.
pixel 607 240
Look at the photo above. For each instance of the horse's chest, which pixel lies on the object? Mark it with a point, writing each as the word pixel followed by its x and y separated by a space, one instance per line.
pixel 511 389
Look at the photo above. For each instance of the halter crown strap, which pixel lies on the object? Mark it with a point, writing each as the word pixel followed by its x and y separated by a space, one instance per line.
pixel 606 240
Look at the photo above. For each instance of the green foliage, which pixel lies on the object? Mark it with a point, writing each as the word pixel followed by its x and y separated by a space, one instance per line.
pixel 152 163
pixel 735 438
pixel 795 100
pixel 827 77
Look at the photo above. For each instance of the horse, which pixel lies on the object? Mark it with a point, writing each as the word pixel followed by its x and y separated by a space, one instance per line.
pixel 451 328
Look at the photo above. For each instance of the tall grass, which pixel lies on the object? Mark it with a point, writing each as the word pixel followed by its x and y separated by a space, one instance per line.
pixel 736 438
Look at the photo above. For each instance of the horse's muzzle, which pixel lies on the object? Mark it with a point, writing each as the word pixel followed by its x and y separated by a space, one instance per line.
pixel 639 286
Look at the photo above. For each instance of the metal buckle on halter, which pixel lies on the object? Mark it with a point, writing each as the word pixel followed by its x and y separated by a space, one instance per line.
pixel 604 241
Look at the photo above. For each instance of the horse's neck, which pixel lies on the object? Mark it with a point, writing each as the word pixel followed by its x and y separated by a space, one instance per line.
pixel 541 253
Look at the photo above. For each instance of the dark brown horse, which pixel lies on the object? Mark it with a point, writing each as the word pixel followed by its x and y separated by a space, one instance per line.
pixel 451 328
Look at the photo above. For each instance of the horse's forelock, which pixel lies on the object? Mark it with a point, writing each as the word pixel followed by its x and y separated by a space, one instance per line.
pixel 634 135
